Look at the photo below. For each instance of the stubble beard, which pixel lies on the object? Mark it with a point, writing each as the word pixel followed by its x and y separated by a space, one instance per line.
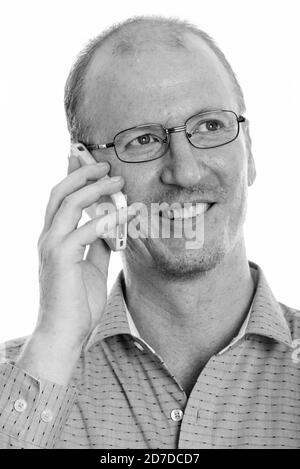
pixel 184 265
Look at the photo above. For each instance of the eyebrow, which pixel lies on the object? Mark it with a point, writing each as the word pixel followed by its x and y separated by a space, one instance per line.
pixel 207 109
pixel 201 111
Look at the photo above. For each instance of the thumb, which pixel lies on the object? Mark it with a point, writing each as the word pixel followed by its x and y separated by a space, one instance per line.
pixel 99 255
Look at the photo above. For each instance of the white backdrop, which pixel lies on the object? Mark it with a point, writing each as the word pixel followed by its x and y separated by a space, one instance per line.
pixel 39 40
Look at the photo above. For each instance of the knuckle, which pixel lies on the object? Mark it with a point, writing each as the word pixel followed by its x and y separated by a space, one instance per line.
pixel 53 248
pixel 49 248
pixel 46 248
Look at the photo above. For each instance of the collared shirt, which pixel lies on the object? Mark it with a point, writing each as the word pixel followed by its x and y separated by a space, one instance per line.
pixel 135 333
pixel 122 394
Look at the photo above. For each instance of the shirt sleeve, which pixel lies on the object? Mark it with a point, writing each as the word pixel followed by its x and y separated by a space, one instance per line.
pixel 33 411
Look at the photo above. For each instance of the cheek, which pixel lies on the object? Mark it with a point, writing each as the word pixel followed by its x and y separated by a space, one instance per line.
pixel 232 174
pixel 238 187
pixel 135 180
pixel 235 173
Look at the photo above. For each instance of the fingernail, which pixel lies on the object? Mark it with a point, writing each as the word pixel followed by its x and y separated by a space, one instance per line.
pixel 115 179
pixel 103 164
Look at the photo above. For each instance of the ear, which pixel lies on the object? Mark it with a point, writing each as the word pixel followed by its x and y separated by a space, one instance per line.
pixel 251 162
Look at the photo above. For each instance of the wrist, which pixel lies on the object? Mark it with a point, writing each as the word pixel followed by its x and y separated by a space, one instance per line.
pixel 50 357
pixel 57 342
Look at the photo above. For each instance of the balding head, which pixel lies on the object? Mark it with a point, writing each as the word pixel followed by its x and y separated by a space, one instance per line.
pixel 128 40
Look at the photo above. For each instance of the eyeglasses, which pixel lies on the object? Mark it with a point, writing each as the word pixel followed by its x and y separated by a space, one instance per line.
pixel 149 142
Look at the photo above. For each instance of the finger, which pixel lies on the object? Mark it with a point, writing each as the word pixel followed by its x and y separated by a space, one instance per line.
pixel 107 224
pixel 68 185
pixel 92 230
pixel 74 164
pixel 99 255
pixel 70 212
pixel 96 250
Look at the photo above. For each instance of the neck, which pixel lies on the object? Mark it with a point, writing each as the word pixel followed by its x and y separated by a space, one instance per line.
pixel 202 314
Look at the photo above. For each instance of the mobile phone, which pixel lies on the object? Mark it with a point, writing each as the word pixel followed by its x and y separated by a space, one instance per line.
pixel 119 239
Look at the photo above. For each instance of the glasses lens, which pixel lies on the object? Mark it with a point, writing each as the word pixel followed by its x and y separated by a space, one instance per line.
pixel 142 143
pixel 211 129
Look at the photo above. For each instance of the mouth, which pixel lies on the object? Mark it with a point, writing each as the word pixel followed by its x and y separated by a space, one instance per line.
pixel 185 213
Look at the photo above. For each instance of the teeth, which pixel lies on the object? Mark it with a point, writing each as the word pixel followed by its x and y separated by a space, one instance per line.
pixel 186 212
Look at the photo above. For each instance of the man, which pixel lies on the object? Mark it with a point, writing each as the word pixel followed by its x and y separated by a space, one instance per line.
pixel 191 349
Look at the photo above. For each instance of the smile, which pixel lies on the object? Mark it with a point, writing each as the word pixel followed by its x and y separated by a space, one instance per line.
pixel 184 213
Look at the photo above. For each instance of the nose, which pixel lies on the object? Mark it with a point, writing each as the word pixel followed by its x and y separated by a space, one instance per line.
pixel 182 166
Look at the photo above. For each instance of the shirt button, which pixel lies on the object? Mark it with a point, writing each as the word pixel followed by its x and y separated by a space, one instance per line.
pixel 46 415
pixel 176 415
pixel 20 405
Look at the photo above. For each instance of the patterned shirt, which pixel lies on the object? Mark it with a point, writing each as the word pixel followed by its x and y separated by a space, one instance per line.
pixel 122 394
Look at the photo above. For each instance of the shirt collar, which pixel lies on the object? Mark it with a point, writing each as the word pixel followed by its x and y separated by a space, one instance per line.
pixel 265 317
pixel 132 326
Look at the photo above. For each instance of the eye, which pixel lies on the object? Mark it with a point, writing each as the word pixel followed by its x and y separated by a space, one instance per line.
pixel 208 126
pixel 145 139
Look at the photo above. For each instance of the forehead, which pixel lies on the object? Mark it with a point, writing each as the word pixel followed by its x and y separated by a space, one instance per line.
pixel 159 84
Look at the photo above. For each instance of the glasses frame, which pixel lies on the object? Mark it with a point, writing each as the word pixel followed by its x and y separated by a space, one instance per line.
pixel 180 128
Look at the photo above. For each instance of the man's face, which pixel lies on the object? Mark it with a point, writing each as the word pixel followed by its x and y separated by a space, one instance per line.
pixel 167 86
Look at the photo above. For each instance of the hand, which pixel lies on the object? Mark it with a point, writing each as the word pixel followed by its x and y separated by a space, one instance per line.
pixel 73 290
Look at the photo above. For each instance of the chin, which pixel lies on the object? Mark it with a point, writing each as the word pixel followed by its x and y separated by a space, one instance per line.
pixel 182 264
